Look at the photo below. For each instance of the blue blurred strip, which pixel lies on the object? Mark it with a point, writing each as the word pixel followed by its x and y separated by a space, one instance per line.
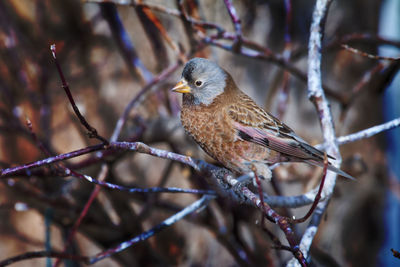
pixel 48 217
pixel 390 28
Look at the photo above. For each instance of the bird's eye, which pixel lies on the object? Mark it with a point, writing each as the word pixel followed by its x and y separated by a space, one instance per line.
pixel 198 83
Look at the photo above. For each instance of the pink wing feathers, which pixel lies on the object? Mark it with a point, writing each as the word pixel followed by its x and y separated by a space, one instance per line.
pixel 297 150
pixel 253 124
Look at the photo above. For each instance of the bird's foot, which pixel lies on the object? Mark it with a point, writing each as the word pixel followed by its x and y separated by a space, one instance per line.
pixel 243 180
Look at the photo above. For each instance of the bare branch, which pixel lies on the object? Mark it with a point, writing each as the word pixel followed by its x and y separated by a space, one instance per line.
pixel 368 55
pixel 369 132
pixel 139 98
pixel 236 23
pixel 317 96
pixel 92 131
pixel 318 196
pixel 24 168
pixel 198 205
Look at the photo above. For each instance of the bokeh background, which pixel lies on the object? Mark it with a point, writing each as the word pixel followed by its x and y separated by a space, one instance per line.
pixel 110 51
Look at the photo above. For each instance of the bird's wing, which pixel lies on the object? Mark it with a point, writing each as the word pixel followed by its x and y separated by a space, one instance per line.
pixel 255 125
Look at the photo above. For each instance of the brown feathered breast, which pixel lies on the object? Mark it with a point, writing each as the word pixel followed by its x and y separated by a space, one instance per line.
pixel 212 127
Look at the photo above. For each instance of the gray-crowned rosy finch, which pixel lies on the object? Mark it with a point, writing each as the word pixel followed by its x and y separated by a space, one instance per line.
pixel 232 128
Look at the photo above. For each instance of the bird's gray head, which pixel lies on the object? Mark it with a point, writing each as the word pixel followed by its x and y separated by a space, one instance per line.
pixel 203 79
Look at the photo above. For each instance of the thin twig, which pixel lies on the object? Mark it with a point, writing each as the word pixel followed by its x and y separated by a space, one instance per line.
pixel 135 190
pixel 318 196
pixel 198 205
pixel 138 98
pixel 369 132
pixel 42 254
pixel 24 168
pixel 278 60
pixel 237 25
pixel 368 55
pixel 92 132
pixel 366 133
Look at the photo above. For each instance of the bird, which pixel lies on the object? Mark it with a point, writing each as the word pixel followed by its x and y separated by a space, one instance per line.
pixel 230 127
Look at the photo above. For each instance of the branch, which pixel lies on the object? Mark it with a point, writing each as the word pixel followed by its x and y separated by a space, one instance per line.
pixel 252 49
pixel 237 25
pixel 318 196
pixel 135 190
pixel 139 98
pixel 317 96
pixel 92 131
pixel 368 132
pixel 265 55
pixel 24 168
pixel 198 205
pixel 42 254
pixel 270 214
pixel 243 191
pixel 368 55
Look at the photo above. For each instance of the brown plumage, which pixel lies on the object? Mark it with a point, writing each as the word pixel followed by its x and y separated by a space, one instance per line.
pixel 232 128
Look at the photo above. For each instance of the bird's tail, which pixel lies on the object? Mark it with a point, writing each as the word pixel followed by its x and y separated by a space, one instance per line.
pixel 331 168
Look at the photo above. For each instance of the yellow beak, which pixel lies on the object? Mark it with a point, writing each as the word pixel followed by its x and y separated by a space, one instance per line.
pixel 181 87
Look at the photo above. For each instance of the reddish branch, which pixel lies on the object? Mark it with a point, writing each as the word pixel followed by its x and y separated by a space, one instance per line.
pixel 104 171
pixel 317 197
pixel 92 132
pixel 368 55
pixel 283 222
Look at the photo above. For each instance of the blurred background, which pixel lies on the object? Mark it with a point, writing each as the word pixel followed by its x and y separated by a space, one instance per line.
pixel 114 51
